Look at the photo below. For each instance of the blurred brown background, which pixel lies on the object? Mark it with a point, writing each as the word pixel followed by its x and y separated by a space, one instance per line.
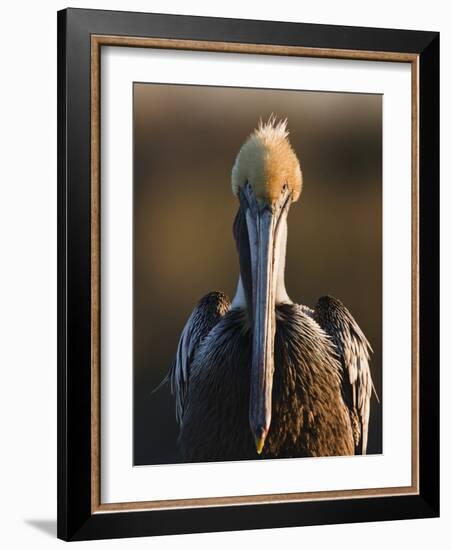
pixel 185 142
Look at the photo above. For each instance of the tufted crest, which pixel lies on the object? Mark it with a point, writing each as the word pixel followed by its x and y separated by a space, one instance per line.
pixel 267 161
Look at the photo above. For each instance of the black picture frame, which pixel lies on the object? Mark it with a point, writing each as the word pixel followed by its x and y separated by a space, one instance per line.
pixel 76 519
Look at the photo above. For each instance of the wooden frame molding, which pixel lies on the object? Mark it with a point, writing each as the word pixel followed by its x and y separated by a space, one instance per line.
pixel 97 41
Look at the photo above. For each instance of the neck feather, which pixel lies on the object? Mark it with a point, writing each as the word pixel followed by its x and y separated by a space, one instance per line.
pixel 281 252
pixel 243 295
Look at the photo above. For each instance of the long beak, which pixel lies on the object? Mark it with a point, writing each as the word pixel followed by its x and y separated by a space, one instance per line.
pixel 263 285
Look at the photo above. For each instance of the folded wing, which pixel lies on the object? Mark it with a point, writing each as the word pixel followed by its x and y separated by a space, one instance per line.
pixel 208 312
pixel 354 351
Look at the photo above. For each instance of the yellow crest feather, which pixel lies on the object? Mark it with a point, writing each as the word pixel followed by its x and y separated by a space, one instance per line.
pixel 267 161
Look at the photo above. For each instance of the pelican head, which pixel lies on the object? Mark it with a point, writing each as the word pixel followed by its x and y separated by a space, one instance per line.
pixel 267 178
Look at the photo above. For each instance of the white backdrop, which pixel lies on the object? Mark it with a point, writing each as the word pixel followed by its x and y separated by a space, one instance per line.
pixel 28 274
pixel 120 482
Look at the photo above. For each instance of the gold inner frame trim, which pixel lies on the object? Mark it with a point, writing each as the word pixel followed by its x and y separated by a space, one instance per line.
pixel 97 41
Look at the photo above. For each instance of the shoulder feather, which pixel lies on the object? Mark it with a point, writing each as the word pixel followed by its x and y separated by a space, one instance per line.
pixel 208 312
pixel 353 350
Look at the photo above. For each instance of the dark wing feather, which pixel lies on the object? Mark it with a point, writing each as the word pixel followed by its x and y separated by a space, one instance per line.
pixel 204 317
pixel 354 352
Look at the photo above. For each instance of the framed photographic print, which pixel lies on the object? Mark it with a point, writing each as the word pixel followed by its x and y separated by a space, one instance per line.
pixel 248 274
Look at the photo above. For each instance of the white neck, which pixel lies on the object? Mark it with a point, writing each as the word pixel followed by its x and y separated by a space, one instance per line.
pixel 279 261
pixel 239 300
pixel 281 297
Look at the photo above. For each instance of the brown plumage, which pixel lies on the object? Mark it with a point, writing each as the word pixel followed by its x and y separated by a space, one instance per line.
pixel 353 350
pixel 309 415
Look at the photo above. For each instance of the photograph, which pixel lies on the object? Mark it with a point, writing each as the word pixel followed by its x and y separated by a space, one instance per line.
pixel 257 274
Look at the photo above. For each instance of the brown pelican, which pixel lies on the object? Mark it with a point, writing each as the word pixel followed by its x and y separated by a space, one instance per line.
pixel 262 375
